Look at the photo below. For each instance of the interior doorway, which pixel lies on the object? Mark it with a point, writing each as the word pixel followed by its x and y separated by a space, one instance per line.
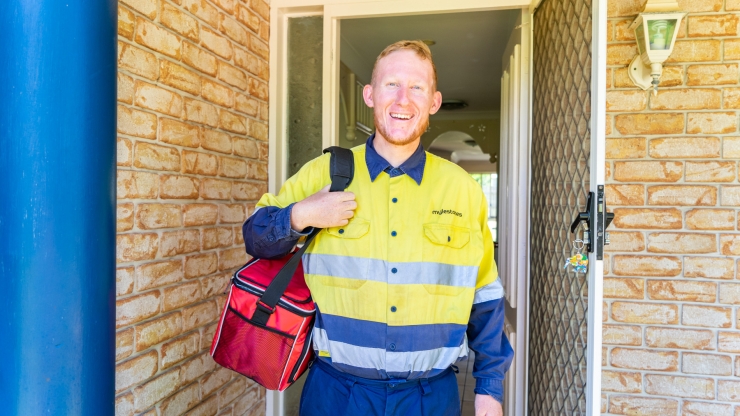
pixel 490 134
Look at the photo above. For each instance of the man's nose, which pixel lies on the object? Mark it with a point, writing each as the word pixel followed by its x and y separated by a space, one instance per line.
pixel 402 97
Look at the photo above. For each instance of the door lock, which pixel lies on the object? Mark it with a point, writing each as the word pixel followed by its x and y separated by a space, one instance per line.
pixel 585 218
pixel 594 226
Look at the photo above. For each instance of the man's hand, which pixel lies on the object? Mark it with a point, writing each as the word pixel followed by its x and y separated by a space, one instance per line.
pixel 323 209
pixel 486 405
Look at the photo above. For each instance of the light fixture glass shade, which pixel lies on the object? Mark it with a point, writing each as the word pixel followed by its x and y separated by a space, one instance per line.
pixel 656 34
pixel 660 32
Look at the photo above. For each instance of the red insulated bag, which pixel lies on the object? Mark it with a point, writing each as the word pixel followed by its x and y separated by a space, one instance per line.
pixel 266 325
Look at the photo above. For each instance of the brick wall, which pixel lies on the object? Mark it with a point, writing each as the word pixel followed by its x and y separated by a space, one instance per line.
pixel 192 160
pixel 671 334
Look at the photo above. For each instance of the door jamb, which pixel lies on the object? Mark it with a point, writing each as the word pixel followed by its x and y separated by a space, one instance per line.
pixel 597 170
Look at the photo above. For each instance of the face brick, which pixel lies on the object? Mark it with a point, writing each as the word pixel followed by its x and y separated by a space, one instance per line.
pixel 690 339
pixel 682 291
pixel 621 381
pixel 179 242
pixel 181 401
pixel 647 218
pixel 200 214
pixel 709 267
pixel 136 123
pixel 677 386
pixel 691 147
pixel 201 265
pixel 644 313
pixel 135 370
pixel 156 157
pixel 675 243
pixel 161 329
pixel 125 22
pixel 137 61
pixel 158 39
pixel 198 58
pixel 648 406
pixel 710 219
pixel 180 22
pixel 644 359
pixel 124 343
pixel 623 288
pixel 174 132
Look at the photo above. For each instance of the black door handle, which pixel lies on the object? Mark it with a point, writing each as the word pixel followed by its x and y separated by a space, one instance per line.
pixel 585 217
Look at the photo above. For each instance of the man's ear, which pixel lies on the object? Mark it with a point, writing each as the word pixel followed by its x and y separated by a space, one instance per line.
pixel 436 102
pixel 367 95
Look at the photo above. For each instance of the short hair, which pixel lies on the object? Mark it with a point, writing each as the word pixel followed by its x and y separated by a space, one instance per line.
pixel 421 49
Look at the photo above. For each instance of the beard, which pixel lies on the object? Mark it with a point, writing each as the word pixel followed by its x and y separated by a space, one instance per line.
pixel 400 141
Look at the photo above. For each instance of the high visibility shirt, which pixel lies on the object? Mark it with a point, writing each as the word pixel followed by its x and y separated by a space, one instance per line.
pixel 400 289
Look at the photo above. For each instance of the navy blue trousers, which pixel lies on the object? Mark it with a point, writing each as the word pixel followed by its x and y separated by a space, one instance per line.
pixel 330 392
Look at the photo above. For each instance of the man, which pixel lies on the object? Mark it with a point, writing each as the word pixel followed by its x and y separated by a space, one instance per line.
pixel 403 275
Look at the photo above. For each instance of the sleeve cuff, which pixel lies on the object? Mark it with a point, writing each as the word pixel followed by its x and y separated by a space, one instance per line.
pixel 293 233
pixel 491 387
pixel 282 230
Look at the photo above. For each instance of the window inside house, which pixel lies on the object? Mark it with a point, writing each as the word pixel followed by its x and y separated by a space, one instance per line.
pixel 489 184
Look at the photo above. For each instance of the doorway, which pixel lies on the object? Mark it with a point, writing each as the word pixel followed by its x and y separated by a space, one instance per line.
pixel 344 68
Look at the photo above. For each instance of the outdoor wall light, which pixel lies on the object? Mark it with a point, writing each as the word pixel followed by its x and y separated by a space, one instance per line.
pixel 656 29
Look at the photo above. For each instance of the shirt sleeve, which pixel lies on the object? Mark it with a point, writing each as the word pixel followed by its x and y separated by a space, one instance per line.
pixel 493 352
pixel 267 232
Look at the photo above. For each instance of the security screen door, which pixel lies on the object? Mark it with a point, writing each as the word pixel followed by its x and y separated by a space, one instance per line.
pixel 566 164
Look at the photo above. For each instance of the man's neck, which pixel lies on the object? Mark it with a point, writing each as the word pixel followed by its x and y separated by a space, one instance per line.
pixel 394 154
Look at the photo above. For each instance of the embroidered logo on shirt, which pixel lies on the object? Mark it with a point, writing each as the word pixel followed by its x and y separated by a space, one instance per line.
pixel 446 211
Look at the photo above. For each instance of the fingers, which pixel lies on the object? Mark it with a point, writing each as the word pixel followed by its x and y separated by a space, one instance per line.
pixel 350 205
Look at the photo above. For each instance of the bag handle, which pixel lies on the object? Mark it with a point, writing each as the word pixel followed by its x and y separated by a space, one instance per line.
pixel 342 170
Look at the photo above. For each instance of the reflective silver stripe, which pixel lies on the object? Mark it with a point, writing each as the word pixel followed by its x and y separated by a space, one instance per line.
pixel 488 292
pixel 381 271
pixel 390 361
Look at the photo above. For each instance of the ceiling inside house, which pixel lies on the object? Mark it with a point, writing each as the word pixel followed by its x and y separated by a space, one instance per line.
pixel 468 52
pixel 460 146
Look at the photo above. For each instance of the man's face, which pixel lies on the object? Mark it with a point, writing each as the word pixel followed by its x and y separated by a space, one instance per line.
pixel 402 96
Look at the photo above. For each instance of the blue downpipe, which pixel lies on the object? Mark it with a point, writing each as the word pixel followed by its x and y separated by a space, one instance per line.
pixel 57 207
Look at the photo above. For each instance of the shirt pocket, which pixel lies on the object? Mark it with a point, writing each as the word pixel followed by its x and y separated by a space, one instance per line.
pixel 357 228
pixel 447 236
pixel 444 248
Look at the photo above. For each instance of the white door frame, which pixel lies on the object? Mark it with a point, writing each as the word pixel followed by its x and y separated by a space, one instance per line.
pixel 336 10
pixel 597 170
pixel 514 190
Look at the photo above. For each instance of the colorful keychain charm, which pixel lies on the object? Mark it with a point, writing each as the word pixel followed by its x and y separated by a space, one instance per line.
pixel 579 261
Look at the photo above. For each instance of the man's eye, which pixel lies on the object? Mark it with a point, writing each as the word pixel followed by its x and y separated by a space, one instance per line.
pixel 392 84
pixel 416 87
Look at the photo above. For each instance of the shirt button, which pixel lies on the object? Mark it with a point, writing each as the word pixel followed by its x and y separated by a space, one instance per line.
pixel 392 347
pixel 393 233
pixel 341 231
pixel 393 309
pixel 394 270
pixel 394 200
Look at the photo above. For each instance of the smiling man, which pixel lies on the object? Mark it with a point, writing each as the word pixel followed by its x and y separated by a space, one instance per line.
pixel 403 276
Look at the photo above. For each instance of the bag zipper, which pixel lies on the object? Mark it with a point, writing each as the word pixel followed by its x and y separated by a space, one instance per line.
pixel 304 353
pixel 257 292
pixel 242 279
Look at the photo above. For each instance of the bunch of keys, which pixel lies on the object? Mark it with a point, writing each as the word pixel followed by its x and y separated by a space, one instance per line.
pixel 578 261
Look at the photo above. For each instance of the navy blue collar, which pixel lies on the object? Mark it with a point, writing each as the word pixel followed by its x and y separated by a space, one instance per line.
pixel 413 166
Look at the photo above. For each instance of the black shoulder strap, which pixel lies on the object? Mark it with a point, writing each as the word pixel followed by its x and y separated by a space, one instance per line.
pixel 342 170
pixel 342 167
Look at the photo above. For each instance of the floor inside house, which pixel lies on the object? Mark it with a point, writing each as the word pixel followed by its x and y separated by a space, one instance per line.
pixel 466 384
